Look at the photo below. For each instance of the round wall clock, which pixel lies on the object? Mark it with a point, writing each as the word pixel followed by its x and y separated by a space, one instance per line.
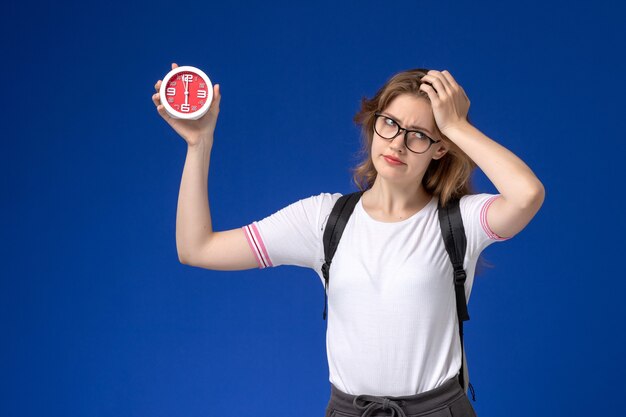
pixel 186 93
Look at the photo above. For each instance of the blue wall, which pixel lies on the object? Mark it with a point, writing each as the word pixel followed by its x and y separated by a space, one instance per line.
pixel 100 319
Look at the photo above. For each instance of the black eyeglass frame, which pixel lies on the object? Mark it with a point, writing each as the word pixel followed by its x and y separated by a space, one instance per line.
pixel 406 132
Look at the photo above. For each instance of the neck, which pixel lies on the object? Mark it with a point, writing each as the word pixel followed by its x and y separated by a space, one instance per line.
pixel 396 198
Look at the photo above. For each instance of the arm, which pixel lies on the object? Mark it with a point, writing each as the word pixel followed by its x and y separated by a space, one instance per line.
pixel 522 194
pixel 196 242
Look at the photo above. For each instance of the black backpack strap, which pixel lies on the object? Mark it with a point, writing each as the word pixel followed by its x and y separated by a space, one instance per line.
pixel 453 234
pixel 335 224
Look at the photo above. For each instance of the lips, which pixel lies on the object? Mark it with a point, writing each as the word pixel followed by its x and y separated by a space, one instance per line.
pixel 393 160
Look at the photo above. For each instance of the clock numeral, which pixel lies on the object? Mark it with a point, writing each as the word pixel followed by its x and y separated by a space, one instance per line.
pixel 184 107
pixel 173 83
pixel 194 108
pixel 170 100
pixel 201 85
pixel 170 91
pixel 201 93
pixel 187 77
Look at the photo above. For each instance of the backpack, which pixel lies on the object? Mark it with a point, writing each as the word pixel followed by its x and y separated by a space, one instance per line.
pixel 453 234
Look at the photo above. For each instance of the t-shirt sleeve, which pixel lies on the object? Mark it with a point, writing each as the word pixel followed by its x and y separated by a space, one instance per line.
pixel 292 235
pixel 474 209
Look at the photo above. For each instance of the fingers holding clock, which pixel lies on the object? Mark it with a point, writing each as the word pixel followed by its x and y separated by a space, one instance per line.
pixel 156 99
pixel 217 97
pixel 157 102
pixel 158 83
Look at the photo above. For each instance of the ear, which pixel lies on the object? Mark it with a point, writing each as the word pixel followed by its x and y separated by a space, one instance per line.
pixel 441 151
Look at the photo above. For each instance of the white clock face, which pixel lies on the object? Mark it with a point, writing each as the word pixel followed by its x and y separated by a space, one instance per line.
pixel 186 93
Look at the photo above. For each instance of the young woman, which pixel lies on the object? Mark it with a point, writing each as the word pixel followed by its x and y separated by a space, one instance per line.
pixel 393 337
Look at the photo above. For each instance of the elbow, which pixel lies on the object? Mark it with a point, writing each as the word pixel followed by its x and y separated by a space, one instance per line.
pixel 529 197
pixel 183 257
pixel 535 197
pixel 195 255
pixel 539 194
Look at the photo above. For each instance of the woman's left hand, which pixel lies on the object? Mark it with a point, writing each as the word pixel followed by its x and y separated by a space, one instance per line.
pixel 449 102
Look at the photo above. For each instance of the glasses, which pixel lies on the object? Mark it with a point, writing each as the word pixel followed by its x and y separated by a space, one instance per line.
pixel 414 140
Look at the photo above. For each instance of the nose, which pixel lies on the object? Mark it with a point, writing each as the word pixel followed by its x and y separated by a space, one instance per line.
pixel 397 143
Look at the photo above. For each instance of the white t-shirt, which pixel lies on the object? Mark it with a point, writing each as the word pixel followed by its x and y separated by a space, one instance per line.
pixel 392 321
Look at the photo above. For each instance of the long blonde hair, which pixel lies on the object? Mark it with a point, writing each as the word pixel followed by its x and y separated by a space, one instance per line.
pixel 447 177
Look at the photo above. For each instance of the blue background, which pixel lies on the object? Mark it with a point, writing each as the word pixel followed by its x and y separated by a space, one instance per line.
pixel 100 319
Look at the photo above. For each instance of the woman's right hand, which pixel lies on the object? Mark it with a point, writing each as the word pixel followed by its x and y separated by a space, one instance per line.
pixel 193 131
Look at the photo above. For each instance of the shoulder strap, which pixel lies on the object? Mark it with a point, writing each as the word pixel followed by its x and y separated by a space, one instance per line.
pixel 453 234
pixel 335 224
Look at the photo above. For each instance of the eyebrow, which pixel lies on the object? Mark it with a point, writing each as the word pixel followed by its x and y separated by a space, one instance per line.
pixel 408 127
